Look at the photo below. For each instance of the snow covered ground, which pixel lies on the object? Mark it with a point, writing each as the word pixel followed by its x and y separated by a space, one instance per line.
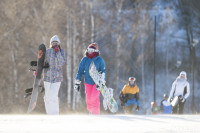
pixel 99 124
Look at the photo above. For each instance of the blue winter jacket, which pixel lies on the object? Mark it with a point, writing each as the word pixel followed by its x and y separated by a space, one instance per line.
pixel 132 101
pixel 84 68
pixel 166 107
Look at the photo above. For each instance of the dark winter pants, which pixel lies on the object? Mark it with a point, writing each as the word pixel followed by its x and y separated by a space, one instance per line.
pixel 178 109
pixel 129 109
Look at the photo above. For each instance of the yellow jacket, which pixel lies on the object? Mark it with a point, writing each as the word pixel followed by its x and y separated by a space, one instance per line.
pixel 130 95
pixel 130 90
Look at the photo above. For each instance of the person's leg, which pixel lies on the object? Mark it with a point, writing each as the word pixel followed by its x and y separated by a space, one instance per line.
pixel 54 101
pixel 127 109
pixel 51 97
pixel 131 108
pixel 175 109
pixel 181 106
pixel 88 92
pixel 95 100
pixel 46 96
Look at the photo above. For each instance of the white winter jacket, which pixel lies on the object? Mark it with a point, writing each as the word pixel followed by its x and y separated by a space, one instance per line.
pixel 180 87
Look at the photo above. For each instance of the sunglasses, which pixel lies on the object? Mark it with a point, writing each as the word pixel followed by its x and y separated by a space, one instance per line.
pixel 131 79
pixel 91 50
pixel 54 43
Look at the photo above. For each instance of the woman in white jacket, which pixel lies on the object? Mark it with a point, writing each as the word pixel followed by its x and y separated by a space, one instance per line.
pixel 180 88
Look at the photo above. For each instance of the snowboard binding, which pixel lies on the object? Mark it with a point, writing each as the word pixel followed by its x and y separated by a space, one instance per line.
pixel 28 91
pixel 33 67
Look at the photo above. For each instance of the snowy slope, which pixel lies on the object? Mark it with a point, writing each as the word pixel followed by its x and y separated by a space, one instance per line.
pixel 99 124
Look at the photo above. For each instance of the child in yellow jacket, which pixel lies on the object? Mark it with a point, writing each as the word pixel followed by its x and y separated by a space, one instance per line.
pixel 129 96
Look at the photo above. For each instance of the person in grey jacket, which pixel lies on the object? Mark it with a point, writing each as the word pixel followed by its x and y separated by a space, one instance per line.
pixel 180 88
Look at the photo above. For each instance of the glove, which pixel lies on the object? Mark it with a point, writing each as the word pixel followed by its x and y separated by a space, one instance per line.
pixel 35 73
pixel 56 48
pixel 137 108
pixel 99 87
pixel 46 65
pixel 169 100
pixel 77 85
pixel 182 99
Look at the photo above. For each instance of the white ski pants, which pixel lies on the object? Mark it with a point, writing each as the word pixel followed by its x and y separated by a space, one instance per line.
pixel 51 97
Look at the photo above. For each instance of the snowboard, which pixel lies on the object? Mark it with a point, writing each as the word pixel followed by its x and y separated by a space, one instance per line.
pixel 175 101
pixel 37 80
pixel 33 67
pixel 107 93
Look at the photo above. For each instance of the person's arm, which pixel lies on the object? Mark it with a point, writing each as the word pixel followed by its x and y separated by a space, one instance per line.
pixel 46 62
pixel 49 57
pixel 79 75
pixel 61 57
pixel 122 96
pixel 172 91
pixel 80 69
pixel 137 97
pixel 188 91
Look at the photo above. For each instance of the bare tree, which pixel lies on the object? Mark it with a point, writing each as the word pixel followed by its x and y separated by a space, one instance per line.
pixel 119 5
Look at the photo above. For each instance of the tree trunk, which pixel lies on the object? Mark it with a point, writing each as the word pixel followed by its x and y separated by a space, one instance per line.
pixel 119 8
pixel 75 65
pixel 167 60
pixel 83 26
pixel 142 30
pixel 68 69
pixel 92 23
